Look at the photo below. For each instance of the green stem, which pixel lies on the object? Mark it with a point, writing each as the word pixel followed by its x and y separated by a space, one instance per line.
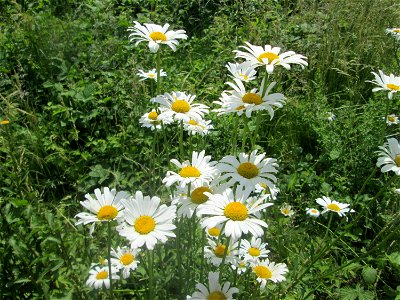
pixel 246 131
pixel 109 258
pixel 150 259
pixel 328 227
pixel 221 266
pixel 235 133
pixel 181 140
pixel 158 66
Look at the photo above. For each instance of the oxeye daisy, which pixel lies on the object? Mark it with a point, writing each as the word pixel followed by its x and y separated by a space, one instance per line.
pixel 214 232
pixel 125 259
pixel 152 74
pixel 389 83
pixel 214 291
pixel 233 210
pixel 180 106
pixel 153 120
pixel 395 32
pixel 253 250
pixel 240 266
pixel 215 252
pixel 389 157
pixel 156 35
pixel 99 276
pixel 201 127
pixel 248 170
pixel 266 270
pixel 146 221
pixel 265 192
pixel 312 212
pixel 106 207
pixel 243 71
pixel 199 171
pixel 331 205
pixel 240 101
pixel 287 210
pixel 392 120
pixel 330 116
pixel 269 57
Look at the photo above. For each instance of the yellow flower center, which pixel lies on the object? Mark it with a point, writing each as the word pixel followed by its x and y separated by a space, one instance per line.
pixel 4 122
pixel 192 122
pixel 252 98
pixel 214 231
pixel 220 250
pixel 107 212
pixel 239 107
pixel 391 119
pixel 158 36
pixel 152 115
pixel 285 211
pixel 392 86
pixel 397 160
pixel 198 196
pixel 262 272
pixel 248 170
pixel 314 211
pixel 217 295
pixel 397 30
pixel 268 55
pixel 151 75
pixel 254 251
pixel 189 171
pixel 102 275
pixel 236 211
pixel 333 207
pixel 266 188
pixel 180 106
pixel 244 76
pixel 144 224
pixel 127 259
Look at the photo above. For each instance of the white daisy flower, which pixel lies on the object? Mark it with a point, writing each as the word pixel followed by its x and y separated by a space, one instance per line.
pixel 330 116
pixel 214 232
pixel 331 205
pixel 146 221
pixel 153 120
pixel 389 83
pixel 395 32
pixel 201 127
pixel 253 250
pixel 248 170
pixel 392 120
pixel 389 157
pixel 98 277
pixel 265 192
pixel 156 35
pixel 239 101
pixel 180 106
pixel 199 171
pixel 266 270
pixel 240 265
pixel 287 210
pixel 215 252
pixel 312 212
pixel 106 207
pixel 152 74
pixel 269 57
pixel 214 291
pixel 233 210
pixel 243 71
pixel 397 191
pixel 125 259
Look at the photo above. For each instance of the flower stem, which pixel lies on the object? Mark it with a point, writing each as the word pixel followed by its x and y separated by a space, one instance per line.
pixel 181 139
pixel 158 66
pixel 235 133
pixel 109 258
pixel 150 259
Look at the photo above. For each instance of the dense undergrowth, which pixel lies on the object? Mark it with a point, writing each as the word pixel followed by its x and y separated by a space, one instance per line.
pixel 69 89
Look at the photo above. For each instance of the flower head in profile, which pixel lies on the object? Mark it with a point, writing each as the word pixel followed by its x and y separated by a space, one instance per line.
pixel 240 101
pixel 99 277
pixel 4 122
pixel 392 120
pixel 389 156
pixel 390 83
pixel 154 120
pixel 201 127
pixel 266 270
pixel 253 250
pixel 287 210
pixel 214 290
pixel 331 205
pixel 248 170
pixel 243 71
pixel 198 171
pixel 125 259
pixel 394 32
pixel 156 35
pixel 215 252
pixel 330 116
pixel 146 222
pixel 312 212
pixel 265 192
pixel 270 57
pixel 152 74
pixel 233 210
pixel 180 106
pixel 105 207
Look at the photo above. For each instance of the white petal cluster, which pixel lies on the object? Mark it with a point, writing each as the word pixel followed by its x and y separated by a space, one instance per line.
pixel 389 157
pixel 390 83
